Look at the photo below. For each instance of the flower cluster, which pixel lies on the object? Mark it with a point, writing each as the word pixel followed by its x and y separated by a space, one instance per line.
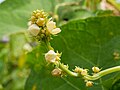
pixel 41 26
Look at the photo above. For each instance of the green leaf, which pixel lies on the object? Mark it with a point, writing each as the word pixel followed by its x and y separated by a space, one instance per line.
pixel 17 42
pixel 85 43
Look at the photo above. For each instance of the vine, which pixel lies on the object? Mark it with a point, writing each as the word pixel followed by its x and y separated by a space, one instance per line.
pixel 42 29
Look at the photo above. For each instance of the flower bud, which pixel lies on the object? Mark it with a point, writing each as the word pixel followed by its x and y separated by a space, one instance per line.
pixel 34 29
pixel 89 83
pixel 78 69
pixel 40 21
pixel 95 69
pixel 32 18
pixel 56 72
pixel 84 72
pixel 37 14
pixel 50 56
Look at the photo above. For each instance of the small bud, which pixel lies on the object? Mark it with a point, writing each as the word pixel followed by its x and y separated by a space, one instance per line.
pixel 40 21
pixel 38 11
pixel 95 69
pixel 50 56
pixel 56 72
pixel 116 56
pixel 32 18
pixel 37 15
pixel 34 29
pixel 84 72
pixel 66 66
pixel 78 69
pixel 89 83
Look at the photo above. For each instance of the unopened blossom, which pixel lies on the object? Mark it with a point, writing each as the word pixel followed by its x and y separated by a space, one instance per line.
pixel 50 56
pixel 78 69
pixel 51 26
pixel 40 21
pixel 34 29
pixel 84 72
pixel 89 83
pixel 95 69
pixel 56 72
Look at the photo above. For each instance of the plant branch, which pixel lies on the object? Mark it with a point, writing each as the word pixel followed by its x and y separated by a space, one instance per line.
pixel 102 73
pixel 86 77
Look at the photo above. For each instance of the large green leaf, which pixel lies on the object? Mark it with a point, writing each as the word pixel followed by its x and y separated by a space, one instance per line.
pixel 85 43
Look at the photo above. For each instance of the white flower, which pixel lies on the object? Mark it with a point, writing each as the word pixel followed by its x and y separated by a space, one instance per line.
pixel 34 29
pixel 51 26
pixel 51 56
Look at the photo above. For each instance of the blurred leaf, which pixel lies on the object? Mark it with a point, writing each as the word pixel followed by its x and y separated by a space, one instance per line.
pixel 104 13
pixel 14 14
pixel 85 43
pixel 17 41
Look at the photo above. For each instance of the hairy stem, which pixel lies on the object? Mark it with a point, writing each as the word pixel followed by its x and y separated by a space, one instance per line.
pixel 61 66
pixel 88 77
pixel 102 73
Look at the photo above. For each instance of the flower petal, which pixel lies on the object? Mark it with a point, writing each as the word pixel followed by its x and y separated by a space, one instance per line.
pixel 51 25
pixel 34 29
pixel 50 56
pixel 56 31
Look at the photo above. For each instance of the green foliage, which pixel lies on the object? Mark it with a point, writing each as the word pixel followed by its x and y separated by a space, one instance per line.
pixel 83 42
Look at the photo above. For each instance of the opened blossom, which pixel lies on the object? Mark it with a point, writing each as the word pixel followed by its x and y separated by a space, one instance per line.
pixel 34 29
pixel 51 56
pixel 51 27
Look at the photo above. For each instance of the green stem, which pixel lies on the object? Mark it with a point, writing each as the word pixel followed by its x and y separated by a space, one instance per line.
pixel 61 66
pixel 65 4
pixel 102 73
pixel 88 77
pixel 48 45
